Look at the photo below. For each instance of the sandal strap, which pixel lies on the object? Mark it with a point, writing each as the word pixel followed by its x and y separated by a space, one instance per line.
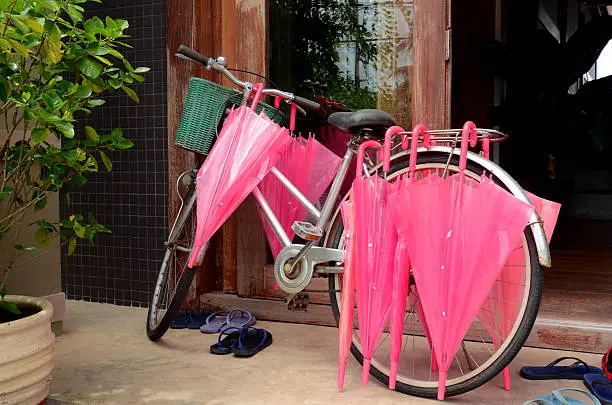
pixel 224 332
pixel 214 315
pixel 561 398
pixel 246 330
pixel 231 314
pixel 577 363
pixel 602 382
pixel 538 402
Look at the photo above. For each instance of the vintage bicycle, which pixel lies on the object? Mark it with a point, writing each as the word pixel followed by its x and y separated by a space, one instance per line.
pixel 322 254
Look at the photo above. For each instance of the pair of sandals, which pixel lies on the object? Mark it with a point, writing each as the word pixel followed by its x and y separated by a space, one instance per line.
pixel 222 320
pixel 189 319
pixel 593 377
pixel 242 342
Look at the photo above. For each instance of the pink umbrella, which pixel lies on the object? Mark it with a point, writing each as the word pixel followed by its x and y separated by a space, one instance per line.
pixel 310 167
pixel 375 239
pixel 345 328
pixel 498 317
pixel 248 145
pixel 459 235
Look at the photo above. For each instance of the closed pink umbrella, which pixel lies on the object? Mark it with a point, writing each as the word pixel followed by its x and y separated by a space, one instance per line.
pixel 345 327
pixel 375 240
pixel 459 235
pixel 248 145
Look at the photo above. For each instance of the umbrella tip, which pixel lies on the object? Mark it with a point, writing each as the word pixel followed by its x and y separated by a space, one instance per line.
pixel 393 375
pixel 365 372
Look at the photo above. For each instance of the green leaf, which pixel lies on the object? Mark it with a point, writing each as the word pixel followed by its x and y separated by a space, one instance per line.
pixel 43 237
pixel 51 51
pixel 75 12
pixel 33 24
pixel 3 290
pixel 28 115
pixel 89 67
pixel 52 100
pixel 45 116
pixel 19 247
pixel 39 135
pixel 79 180
pixel 82 92
pixel 98 50
pixel 123 144
pixel 21 26
pixel 79 230
pixel 107 162
pixel 40 204
pixel 93 26
pixel 142 70
pixel 128 66
pixel 131 94
pixel 91 133
pixel 138 78
pixel 5 44
pixel 52 31
pixel 66 128
pixel 115 84
pixel 10 307
pixel 115 53
pixel 116 134
pixel 71 246
pixel 50 4
pixel 95 102
pixel 103 60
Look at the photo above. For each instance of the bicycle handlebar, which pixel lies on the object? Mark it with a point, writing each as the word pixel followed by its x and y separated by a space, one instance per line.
pixel 185 52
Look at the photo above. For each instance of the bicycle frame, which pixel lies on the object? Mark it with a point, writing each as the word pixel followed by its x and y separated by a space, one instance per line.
pixel 322 216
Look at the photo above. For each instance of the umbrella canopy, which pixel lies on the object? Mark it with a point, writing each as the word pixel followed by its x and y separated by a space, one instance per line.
pixel 459 234
pixel 248 145
pixel 310 167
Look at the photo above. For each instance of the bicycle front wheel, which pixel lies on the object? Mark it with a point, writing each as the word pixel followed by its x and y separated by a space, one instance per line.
pixel 174 276
pixel 493 340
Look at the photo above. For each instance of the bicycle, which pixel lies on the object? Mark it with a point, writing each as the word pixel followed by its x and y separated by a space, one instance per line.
pixel 322 254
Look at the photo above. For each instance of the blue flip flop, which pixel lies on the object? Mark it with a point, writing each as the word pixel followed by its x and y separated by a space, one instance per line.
pixel 600 386
pixel 556 398
pixel 198 319
pixel 551 371
pixel 251 341
pixel 239 318
pixel 214 322
pixel 181 320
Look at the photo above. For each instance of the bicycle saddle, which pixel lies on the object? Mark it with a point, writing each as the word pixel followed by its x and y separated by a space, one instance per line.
pixel 353 122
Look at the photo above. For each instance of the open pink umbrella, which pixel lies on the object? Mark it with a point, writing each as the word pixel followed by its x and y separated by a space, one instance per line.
pixel 248 145
pixel 459 235
pixel 375 239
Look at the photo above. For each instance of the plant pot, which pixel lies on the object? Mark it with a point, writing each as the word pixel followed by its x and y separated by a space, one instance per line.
pixel 26 353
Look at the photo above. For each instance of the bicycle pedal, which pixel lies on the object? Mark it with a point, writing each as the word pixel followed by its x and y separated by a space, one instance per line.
pixel 299 302
pixel 306 230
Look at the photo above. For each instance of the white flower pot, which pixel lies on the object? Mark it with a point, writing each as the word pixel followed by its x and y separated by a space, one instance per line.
pixel 26 354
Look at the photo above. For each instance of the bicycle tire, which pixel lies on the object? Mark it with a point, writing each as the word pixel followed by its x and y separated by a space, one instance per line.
pixel 520 336
pixel 155 330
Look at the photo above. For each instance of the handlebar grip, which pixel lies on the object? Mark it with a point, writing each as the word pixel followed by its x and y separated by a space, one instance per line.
pixel 192 54
pixel 304 102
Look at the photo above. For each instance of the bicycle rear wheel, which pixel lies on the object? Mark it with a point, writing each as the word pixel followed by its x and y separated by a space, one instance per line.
pixel 174 276
pixel 478 360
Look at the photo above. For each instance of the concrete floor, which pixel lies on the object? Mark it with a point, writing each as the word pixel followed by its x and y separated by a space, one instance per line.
pixel 104 357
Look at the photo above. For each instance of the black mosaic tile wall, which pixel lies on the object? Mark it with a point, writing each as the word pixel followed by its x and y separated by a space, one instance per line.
pixel 131 200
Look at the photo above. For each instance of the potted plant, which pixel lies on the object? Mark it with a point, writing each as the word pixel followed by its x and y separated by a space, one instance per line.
pixel 54 66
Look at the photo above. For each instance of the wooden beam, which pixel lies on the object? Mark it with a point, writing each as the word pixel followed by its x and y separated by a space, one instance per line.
pixel 431 84
pixel 547 333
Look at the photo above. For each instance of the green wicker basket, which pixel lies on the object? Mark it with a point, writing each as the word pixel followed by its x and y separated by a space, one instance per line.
pixel 206 101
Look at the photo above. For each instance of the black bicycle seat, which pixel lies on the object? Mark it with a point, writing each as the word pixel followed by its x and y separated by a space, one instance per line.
pixel 353 122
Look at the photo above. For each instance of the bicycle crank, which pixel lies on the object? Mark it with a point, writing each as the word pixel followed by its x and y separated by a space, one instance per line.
pixel 294 277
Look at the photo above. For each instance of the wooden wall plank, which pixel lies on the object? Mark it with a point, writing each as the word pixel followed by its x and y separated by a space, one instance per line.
pixel 187 22
pixel 431 84
pixel 251 39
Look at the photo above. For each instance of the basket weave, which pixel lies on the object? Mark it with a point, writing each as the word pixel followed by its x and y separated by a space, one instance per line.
pixel 206 101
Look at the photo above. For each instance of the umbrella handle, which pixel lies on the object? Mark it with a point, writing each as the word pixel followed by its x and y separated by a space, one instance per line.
pixel 394 130
pixel 414 146
pixel 469 129
pixel 258 87
pixel 486 148
pixel 292 117
pixel 361 153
